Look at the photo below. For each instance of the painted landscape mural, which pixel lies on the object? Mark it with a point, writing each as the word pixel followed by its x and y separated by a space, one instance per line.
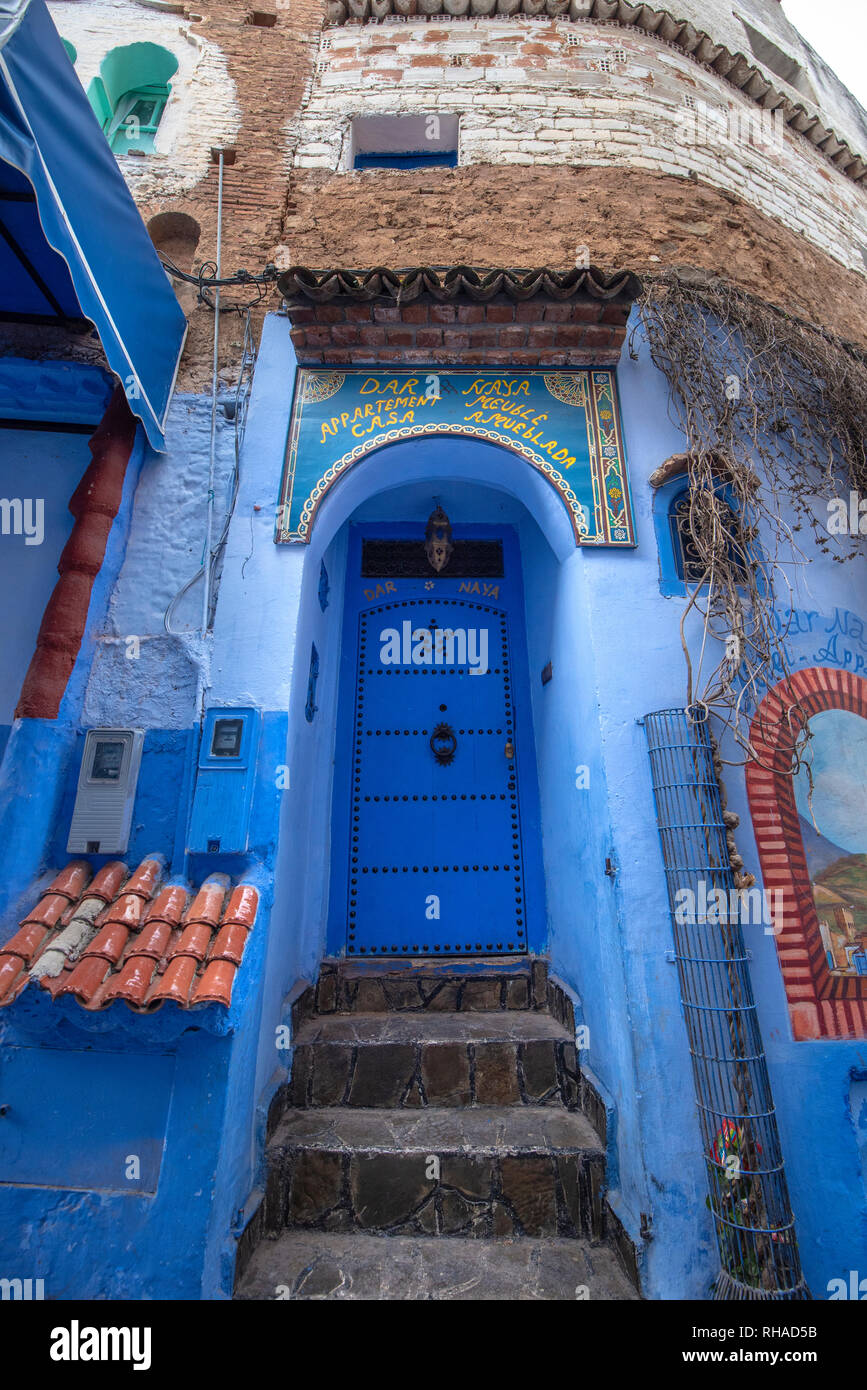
pixel 834 830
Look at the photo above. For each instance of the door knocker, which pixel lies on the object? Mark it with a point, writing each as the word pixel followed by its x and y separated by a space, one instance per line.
pixel 443 744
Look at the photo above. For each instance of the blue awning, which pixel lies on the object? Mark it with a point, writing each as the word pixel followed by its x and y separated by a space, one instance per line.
pixel 72 242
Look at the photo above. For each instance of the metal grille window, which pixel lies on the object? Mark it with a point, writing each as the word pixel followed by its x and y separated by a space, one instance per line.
pixel 381 559
pixel 688 560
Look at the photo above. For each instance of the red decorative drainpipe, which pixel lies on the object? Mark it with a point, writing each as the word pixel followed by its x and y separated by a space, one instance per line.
pixel 94 504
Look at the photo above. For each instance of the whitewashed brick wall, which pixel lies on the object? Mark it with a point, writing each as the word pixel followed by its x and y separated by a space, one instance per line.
pixel 202 110
pixel 555 92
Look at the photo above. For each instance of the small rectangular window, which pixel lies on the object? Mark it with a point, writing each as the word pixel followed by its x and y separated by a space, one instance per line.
pixel 405 142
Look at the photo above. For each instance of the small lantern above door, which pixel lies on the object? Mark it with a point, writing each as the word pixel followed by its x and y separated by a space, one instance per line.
pixel 438 542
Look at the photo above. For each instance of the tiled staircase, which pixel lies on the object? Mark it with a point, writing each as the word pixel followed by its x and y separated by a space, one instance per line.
pixel 434 1142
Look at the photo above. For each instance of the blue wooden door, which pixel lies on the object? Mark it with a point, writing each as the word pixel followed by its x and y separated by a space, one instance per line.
pixel 436 863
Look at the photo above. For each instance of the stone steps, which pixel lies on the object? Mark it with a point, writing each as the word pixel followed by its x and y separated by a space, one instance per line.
pixel 312 1265
pixel 484 1172
pixel 508 1057
pixel 433 1142
pixel 413 986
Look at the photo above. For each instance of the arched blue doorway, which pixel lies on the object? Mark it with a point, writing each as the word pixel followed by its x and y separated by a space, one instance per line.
pixel 480 485
pixel 436 847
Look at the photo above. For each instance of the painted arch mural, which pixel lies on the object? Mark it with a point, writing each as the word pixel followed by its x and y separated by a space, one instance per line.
pixel 814 857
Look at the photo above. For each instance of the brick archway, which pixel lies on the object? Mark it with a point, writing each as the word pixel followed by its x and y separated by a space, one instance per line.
pixel 821 1005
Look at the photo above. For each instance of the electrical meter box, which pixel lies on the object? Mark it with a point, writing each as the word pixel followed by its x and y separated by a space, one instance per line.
pixel 220 819
pixel 106 791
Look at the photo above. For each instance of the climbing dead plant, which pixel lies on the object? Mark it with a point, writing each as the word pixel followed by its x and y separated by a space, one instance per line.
pixel 774 411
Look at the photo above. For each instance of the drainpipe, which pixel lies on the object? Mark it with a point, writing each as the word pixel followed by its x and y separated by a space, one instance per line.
pixel 218 155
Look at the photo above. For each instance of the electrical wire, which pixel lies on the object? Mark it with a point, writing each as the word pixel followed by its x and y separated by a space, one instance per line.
pixel 206 280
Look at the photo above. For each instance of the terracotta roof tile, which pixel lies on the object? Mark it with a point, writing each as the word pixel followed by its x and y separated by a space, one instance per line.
pixel 10 968
pixel 215 985
pixel 243 904
pixel 53 984
pixel 320 286
pixel 132 938
pixel 145 878
pixel 208 903
pixel 168 905
pixel 176 981
pixel 229 943
pixel 109 942
pixel 48 911
pixel 132 981
pixel 194 941
pixel 72 880
pixel 126 910
pixel 85 978
pixel 153 939
pixel 107 882
pixel 28 942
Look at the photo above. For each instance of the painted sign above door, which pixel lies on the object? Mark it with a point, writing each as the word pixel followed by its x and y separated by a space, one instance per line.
pixel 566 424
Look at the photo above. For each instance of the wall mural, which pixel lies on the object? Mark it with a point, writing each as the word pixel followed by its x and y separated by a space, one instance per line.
pixel 834 832
pixel 566 424
pixel 814 857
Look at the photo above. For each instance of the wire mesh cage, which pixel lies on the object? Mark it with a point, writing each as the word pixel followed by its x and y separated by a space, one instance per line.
pixel 748 1195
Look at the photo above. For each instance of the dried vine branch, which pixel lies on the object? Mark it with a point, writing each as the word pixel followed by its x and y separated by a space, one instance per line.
pixel 774 410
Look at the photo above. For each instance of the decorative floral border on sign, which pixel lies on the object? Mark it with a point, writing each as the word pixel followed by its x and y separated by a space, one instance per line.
pixel 821 1005
pixel 322 388
pixel 617 511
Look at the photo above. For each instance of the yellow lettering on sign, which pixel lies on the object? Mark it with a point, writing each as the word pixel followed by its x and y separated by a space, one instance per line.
pixel 504 387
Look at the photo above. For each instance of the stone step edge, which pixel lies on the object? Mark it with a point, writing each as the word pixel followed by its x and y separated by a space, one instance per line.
pixel 586 1153
pixel 559 1033
pixel 327 995
pixel 425 1118
pixel 436 1249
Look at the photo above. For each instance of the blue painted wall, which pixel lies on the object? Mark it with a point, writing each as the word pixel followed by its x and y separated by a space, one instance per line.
pixel 35 465
pixel 611 633
pixel 93 1232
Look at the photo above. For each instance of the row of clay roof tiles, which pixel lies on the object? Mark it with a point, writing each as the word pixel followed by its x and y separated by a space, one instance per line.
pixel 445 284
pixel 120 935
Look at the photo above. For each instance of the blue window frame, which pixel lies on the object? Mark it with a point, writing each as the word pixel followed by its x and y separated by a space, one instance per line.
pixel 681 566
pixel 420 141
pixel 446 159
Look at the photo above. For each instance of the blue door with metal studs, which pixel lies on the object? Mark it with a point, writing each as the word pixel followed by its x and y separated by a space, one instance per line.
pixel 439 751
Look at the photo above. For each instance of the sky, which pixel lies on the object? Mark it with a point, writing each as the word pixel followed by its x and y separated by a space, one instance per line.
pixel 837 29
pixel 839 754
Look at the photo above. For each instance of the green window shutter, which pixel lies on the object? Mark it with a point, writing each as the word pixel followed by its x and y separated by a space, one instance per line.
pixel 136 118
